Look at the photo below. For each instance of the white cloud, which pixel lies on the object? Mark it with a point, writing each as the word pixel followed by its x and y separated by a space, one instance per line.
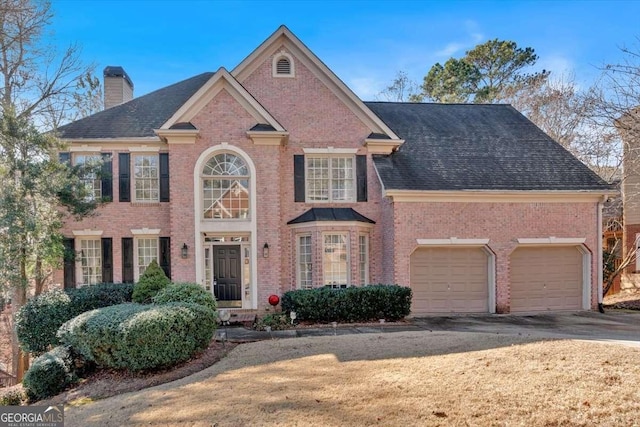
pixel 450 49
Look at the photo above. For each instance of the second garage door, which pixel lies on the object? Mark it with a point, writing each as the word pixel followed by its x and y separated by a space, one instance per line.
pixel 449 280
pixel 546 278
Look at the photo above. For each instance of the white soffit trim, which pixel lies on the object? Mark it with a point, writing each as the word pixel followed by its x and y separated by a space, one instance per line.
pixel 452 241
pixel 489 196
pixel 284 37
pixel 330 150
pixel 552 241
pixel 145 231
pixel 87 233
pixel 219 81
pixel 178 136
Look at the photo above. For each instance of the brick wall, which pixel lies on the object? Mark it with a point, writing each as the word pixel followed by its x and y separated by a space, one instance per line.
pixel 502 223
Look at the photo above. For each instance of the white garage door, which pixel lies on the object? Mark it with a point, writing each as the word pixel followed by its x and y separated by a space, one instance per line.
pixel 546 279
pixel 449 280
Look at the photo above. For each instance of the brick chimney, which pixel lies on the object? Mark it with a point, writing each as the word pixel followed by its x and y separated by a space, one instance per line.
pixel 118 87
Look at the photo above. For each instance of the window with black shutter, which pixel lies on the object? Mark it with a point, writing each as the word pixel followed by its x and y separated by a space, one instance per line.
pixel 125 180
pixel 165 255
pixel 127 260
pixel 69 266
pixel 361 177
pixel 164 177
pixel 107 260
pixel 106 175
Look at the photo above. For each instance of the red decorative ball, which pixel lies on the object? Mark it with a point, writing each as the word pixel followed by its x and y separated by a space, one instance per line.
pixel 274 300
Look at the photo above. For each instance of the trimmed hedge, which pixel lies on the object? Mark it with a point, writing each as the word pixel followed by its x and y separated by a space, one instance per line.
pixel 138 337
pixel 354 304
pixel 152 281
pixel 11 397
pixel 39 319
pixel 185 292
pixel 49 374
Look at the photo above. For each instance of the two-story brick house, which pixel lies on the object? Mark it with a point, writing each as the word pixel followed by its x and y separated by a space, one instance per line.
pixel 275 176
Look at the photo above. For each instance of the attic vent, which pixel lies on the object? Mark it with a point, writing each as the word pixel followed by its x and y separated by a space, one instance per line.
pixel 283 65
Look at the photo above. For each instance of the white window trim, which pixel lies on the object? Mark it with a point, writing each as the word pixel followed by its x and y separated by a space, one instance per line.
pixel 140 232
pixel 144 149
pixel 78 248
pixel 85 149
pixel 136 264
pixel 367 273
pixel 153 152
pixel 354 179
pixel 98 155
pixel 298 261
pixel 86 233
pixel 247 177
pixel 330 150
pixel 274 65
pixel 347 235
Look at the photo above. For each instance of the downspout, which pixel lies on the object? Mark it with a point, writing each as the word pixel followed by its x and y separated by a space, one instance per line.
pixel 599 254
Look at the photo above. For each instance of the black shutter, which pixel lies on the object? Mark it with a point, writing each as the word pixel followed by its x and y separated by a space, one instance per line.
pixel 164 177
pixel 298 178
pixel 107 260
pixel 69 268
pixel 125 177
pixel 127 260
pixel 107 178
pixel 165 255
pixel 361 177
pixel 65 158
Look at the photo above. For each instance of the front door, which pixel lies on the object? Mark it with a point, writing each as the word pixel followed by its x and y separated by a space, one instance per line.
pixel 227 284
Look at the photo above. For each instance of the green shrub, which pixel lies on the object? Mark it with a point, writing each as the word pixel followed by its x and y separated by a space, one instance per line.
pixel 39 319
pixel 152 281
pixel 49 374
pixel 354 304
pixel 277 321
pixel 185 292
pixel 13 396
pixel 138 337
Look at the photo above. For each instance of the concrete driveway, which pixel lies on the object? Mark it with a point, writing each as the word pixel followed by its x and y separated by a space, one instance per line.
pixel 612 326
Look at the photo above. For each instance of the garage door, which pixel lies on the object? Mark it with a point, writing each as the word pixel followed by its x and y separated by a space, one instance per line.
pixel 449 280
pixel 546 278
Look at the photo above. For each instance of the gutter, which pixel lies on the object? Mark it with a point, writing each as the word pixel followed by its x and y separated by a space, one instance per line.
pixel 599 254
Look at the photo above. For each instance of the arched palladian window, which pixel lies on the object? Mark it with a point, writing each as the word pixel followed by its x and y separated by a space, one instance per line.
pixel 225 187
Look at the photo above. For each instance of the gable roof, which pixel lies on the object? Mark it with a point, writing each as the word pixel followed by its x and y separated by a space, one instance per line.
pixel 475 147
pixel 284 37
pixel 137 118
pixel 222 80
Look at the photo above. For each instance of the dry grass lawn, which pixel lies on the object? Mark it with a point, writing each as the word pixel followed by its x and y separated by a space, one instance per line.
pixel 397 379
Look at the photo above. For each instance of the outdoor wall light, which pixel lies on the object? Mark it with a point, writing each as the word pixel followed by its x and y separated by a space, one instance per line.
pixel 185 250
pixel 265 250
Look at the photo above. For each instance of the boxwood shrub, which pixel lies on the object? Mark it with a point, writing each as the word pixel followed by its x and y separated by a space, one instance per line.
pixel 49 374
pixel 152 281
pixel 140 337
pixel 185 292
pixel 353 304
pixel 39 319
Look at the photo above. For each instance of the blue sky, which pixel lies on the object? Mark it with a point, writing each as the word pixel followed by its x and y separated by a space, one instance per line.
pixel 364 42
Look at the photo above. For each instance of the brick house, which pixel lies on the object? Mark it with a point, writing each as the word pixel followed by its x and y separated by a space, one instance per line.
pixel 275 176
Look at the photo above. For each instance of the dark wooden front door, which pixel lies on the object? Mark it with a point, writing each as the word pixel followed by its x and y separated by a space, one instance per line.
pixel 227 286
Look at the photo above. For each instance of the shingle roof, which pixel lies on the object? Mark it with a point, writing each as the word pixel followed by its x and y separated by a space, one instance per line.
pixel 330 214
pixel 475 147
pixel 138 117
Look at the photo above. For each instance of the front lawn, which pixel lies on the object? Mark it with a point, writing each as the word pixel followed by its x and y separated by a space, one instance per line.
pixel 413 378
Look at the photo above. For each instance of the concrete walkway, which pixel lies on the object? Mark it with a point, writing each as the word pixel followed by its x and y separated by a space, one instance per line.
pixel 618 326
